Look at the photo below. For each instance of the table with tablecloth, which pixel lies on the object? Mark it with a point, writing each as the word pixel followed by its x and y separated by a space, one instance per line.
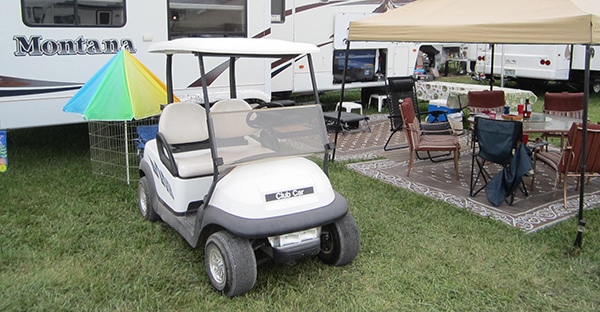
pixel 433 90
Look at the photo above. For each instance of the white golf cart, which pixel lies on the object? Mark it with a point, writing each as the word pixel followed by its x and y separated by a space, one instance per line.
pixel 236 179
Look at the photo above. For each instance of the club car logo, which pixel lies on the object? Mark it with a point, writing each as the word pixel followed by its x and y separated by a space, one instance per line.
pixel 38 46
pixel 289 194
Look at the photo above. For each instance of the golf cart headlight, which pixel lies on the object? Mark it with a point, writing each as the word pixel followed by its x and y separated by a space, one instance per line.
pixel 294 238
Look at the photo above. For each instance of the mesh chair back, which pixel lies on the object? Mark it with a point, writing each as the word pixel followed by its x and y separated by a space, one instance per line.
pixel 399 88
pixel 497 139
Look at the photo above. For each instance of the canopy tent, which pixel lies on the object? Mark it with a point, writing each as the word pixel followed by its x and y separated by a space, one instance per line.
pixel 492 21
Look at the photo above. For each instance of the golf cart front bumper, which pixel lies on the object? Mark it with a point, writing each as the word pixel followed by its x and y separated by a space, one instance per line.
pixel 265 227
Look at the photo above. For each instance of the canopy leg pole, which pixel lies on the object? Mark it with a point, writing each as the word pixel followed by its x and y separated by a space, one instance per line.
pixel 339 106
pixel 586 95
pixel 492 67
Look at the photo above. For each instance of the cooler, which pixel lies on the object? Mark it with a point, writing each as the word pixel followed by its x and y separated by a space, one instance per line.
pixel 440 105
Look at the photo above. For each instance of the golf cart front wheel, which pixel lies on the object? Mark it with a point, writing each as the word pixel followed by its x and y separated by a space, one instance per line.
pixel 340 241
pixel 145 202
pixel 230 263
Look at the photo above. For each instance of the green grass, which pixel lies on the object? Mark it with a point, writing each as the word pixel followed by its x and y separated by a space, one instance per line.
pixel 73 241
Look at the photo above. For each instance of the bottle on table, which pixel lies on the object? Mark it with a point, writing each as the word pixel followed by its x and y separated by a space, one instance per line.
pixel 527 110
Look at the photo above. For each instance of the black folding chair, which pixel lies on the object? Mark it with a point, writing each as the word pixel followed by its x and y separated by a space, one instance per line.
pixel 499 142
pixel 399 88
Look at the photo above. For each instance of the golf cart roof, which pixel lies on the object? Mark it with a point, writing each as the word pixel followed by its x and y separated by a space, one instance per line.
pixel 248 47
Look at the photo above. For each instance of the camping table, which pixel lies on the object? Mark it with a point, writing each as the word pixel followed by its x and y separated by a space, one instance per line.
pixel 432 90
pixel 549 123
pixel 543 123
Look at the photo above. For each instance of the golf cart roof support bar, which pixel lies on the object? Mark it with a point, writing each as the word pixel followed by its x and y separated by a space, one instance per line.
pixel 232 90
pixel 169 78
pixel 313 79
pixel 211 132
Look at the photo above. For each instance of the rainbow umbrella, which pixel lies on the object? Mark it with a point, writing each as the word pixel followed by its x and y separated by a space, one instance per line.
pixel 123 89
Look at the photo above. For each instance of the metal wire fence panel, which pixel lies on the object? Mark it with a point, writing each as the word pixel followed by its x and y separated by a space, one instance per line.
pixel 116 147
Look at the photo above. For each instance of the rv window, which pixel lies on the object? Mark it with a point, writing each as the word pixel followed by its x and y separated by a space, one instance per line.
pixel 207 18
pixel 361 65
pixel 278 11
pixel 73 13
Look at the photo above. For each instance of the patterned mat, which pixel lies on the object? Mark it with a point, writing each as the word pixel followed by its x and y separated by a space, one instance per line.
pixel 543 207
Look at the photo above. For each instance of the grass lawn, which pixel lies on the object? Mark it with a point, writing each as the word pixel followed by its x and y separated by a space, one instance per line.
pixel 73 241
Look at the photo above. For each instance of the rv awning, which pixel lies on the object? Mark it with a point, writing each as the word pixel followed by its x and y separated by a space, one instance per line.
pixel 246 47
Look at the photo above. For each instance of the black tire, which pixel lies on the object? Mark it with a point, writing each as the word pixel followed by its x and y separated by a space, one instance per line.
pixel 145 201
pixel 230 263
pixel 596 86
pixel 340 241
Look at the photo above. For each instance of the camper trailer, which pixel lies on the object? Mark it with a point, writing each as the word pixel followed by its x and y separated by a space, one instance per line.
pixel 542 63
pixel 325 24
pixel 50 48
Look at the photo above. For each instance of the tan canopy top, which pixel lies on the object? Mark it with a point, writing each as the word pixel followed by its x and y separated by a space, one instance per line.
pixel 485 21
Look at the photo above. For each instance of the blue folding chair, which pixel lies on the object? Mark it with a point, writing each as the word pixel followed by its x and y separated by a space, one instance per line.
pixel 145 133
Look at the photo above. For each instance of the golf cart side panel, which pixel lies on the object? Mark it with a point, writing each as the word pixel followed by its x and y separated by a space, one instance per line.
pixel 261 228
pixel 174 193
pixel 146 170
pixel 272 188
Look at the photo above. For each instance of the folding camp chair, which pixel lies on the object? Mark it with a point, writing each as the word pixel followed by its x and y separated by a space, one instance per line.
pixel 427 140
pixel 498 142
pixel 399 88
pixel 567 162
pixel 486 100
pixel 562 104
pixel 145 133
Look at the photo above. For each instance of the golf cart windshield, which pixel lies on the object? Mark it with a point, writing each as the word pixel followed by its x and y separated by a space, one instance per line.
pixel 250 135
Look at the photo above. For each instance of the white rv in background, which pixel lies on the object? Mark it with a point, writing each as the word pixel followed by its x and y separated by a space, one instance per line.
pixel 325 24
pixel 50 48
pixel 529 63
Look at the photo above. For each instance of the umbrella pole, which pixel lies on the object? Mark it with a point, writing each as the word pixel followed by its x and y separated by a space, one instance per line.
pixel 126 154
pixel 586 95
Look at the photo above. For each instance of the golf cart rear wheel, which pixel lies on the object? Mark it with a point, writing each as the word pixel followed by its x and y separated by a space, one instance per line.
pixel 145 202
pixel 340 241
pixel 230 263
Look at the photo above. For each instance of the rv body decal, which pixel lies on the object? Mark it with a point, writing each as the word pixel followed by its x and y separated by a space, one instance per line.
pixel 36 45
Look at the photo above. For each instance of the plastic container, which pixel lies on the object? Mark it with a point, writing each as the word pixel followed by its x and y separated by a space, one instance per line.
pixel 456 121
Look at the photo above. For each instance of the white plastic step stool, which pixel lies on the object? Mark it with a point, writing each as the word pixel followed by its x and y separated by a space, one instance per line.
pixel 349 106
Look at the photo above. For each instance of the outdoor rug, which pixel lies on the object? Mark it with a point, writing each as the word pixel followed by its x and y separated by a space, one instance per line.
pixel 543 207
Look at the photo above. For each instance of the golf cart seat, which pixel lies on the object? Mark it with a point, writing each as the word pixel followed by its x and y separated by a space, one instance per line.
pixel 229 105
pixel 182 140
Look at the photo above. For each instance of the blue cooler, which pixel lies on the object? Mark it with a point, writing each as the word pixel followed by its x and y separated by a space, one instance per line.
pixel 440 105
